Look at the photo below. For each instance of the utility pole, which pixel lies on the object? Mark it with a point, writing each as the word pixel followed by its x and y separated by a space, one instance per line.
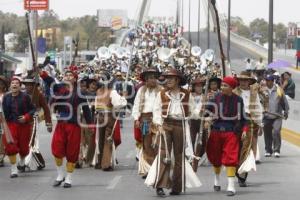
pixel 228 30
pixel 208 24
pixel 270 50
pixel 199 7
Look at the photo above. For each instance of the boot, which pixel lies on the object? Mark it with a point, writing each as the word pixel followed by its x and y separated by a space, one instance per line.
pixel 160 192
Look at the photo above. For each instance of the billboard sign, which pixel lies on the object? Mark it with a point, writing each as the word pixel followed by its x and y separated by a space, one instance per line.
pixel 36 4
pixel 112 18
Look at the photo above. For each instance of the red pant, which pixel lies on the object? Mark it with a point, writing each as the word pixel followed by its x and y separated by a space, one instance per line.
pixel 223 149
pixel 66 141
pixel 21 134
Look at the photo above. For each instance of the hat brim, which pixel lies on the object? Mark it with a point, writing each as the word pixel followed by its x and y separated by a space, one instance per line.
pixel 182 81
pixel 252 80
pixel 144 74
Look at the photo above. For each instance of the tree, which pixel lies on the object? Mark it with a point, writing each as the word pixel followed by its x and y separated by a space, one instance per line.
pixel 281 34
pixel 22 41
pixel 49 19
pixel 242 29
pixel 260 26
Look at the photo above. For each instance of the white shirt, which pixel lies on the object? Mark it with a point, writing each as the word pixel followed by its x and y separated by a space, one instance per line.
pixel 258 107
pixel 198 105
pixel 150 97
pixel 175 108
pixel 117 100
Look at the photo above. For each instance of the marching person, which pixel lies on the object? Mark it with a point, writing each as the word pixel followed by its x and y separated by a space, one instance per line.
pixel 107 104
pixel 171 109
pixel 87 146
pixel 18 110
pixel 142 113
pixel 39 101
pixel 249 91
pixel 42 114
pixel 278 110
pixel 67 101
pixel 226 110
pixel 3 89
pixel 214 87
pixel 198 96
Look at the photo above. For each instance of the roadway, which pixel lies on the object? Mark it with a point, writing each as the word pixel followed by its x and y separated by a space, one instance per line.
pixel 275 179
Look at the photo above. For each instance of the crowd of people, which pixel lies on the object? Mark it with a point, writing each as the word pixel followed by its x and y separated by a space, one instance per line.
pixel 182 110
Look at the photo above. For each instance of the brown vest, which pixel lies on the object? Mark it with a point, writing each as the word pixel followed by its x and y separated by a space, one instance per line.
pixel 166 101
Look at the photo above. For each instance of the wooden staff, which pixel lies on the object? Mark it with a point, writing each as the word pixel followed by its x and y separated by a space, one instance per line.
pixel 213 2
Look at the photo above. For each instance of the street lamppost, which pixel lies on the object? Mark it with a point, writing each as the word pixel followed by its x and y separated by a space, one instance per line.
pixel 270 50
pixel 228 30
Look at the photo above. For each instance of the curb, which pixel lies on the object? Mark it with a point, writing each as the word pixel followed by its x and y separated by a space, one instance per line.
pixel 291 136
pixel 294 68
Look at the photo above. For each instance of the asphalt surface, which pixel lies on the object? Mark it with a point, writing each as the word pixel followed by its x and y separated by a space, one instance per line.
pixel 275 179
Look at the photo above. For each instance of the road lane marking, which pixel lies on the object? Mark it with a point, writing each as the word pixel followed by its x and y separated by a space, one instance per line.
pixel 113 183
pixel 291 136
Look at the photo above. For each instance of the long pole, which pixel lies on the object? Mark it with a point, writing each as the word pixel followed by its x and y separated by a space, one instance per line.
pixel 190 36
pixel 228 30
pixel 270 50
pixel 199 7
pixel 208 24
pixel 182 11
pixel 213 2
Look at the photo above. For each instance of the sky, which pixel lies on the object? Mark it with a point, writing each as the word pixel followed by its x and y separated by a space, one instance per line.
pixel 284 10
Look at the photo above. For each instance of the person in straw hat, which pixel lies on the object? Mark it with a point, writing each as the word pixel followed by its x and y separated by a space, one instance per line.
pixel 249 91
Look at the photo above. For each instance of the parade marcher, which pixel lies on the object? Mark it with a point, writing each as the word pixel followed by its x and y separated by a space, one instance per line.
pixel 42 114
pixel 39 101
pixel 67 101
pixel 107 104
pixel 172 107
pixel 278 110
pixel 214 87
pixel 249 91
pixel 142 113
pixel 198 96
pixel 226 110
pixel 18 110
pixel 3 89
pixel 87 146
